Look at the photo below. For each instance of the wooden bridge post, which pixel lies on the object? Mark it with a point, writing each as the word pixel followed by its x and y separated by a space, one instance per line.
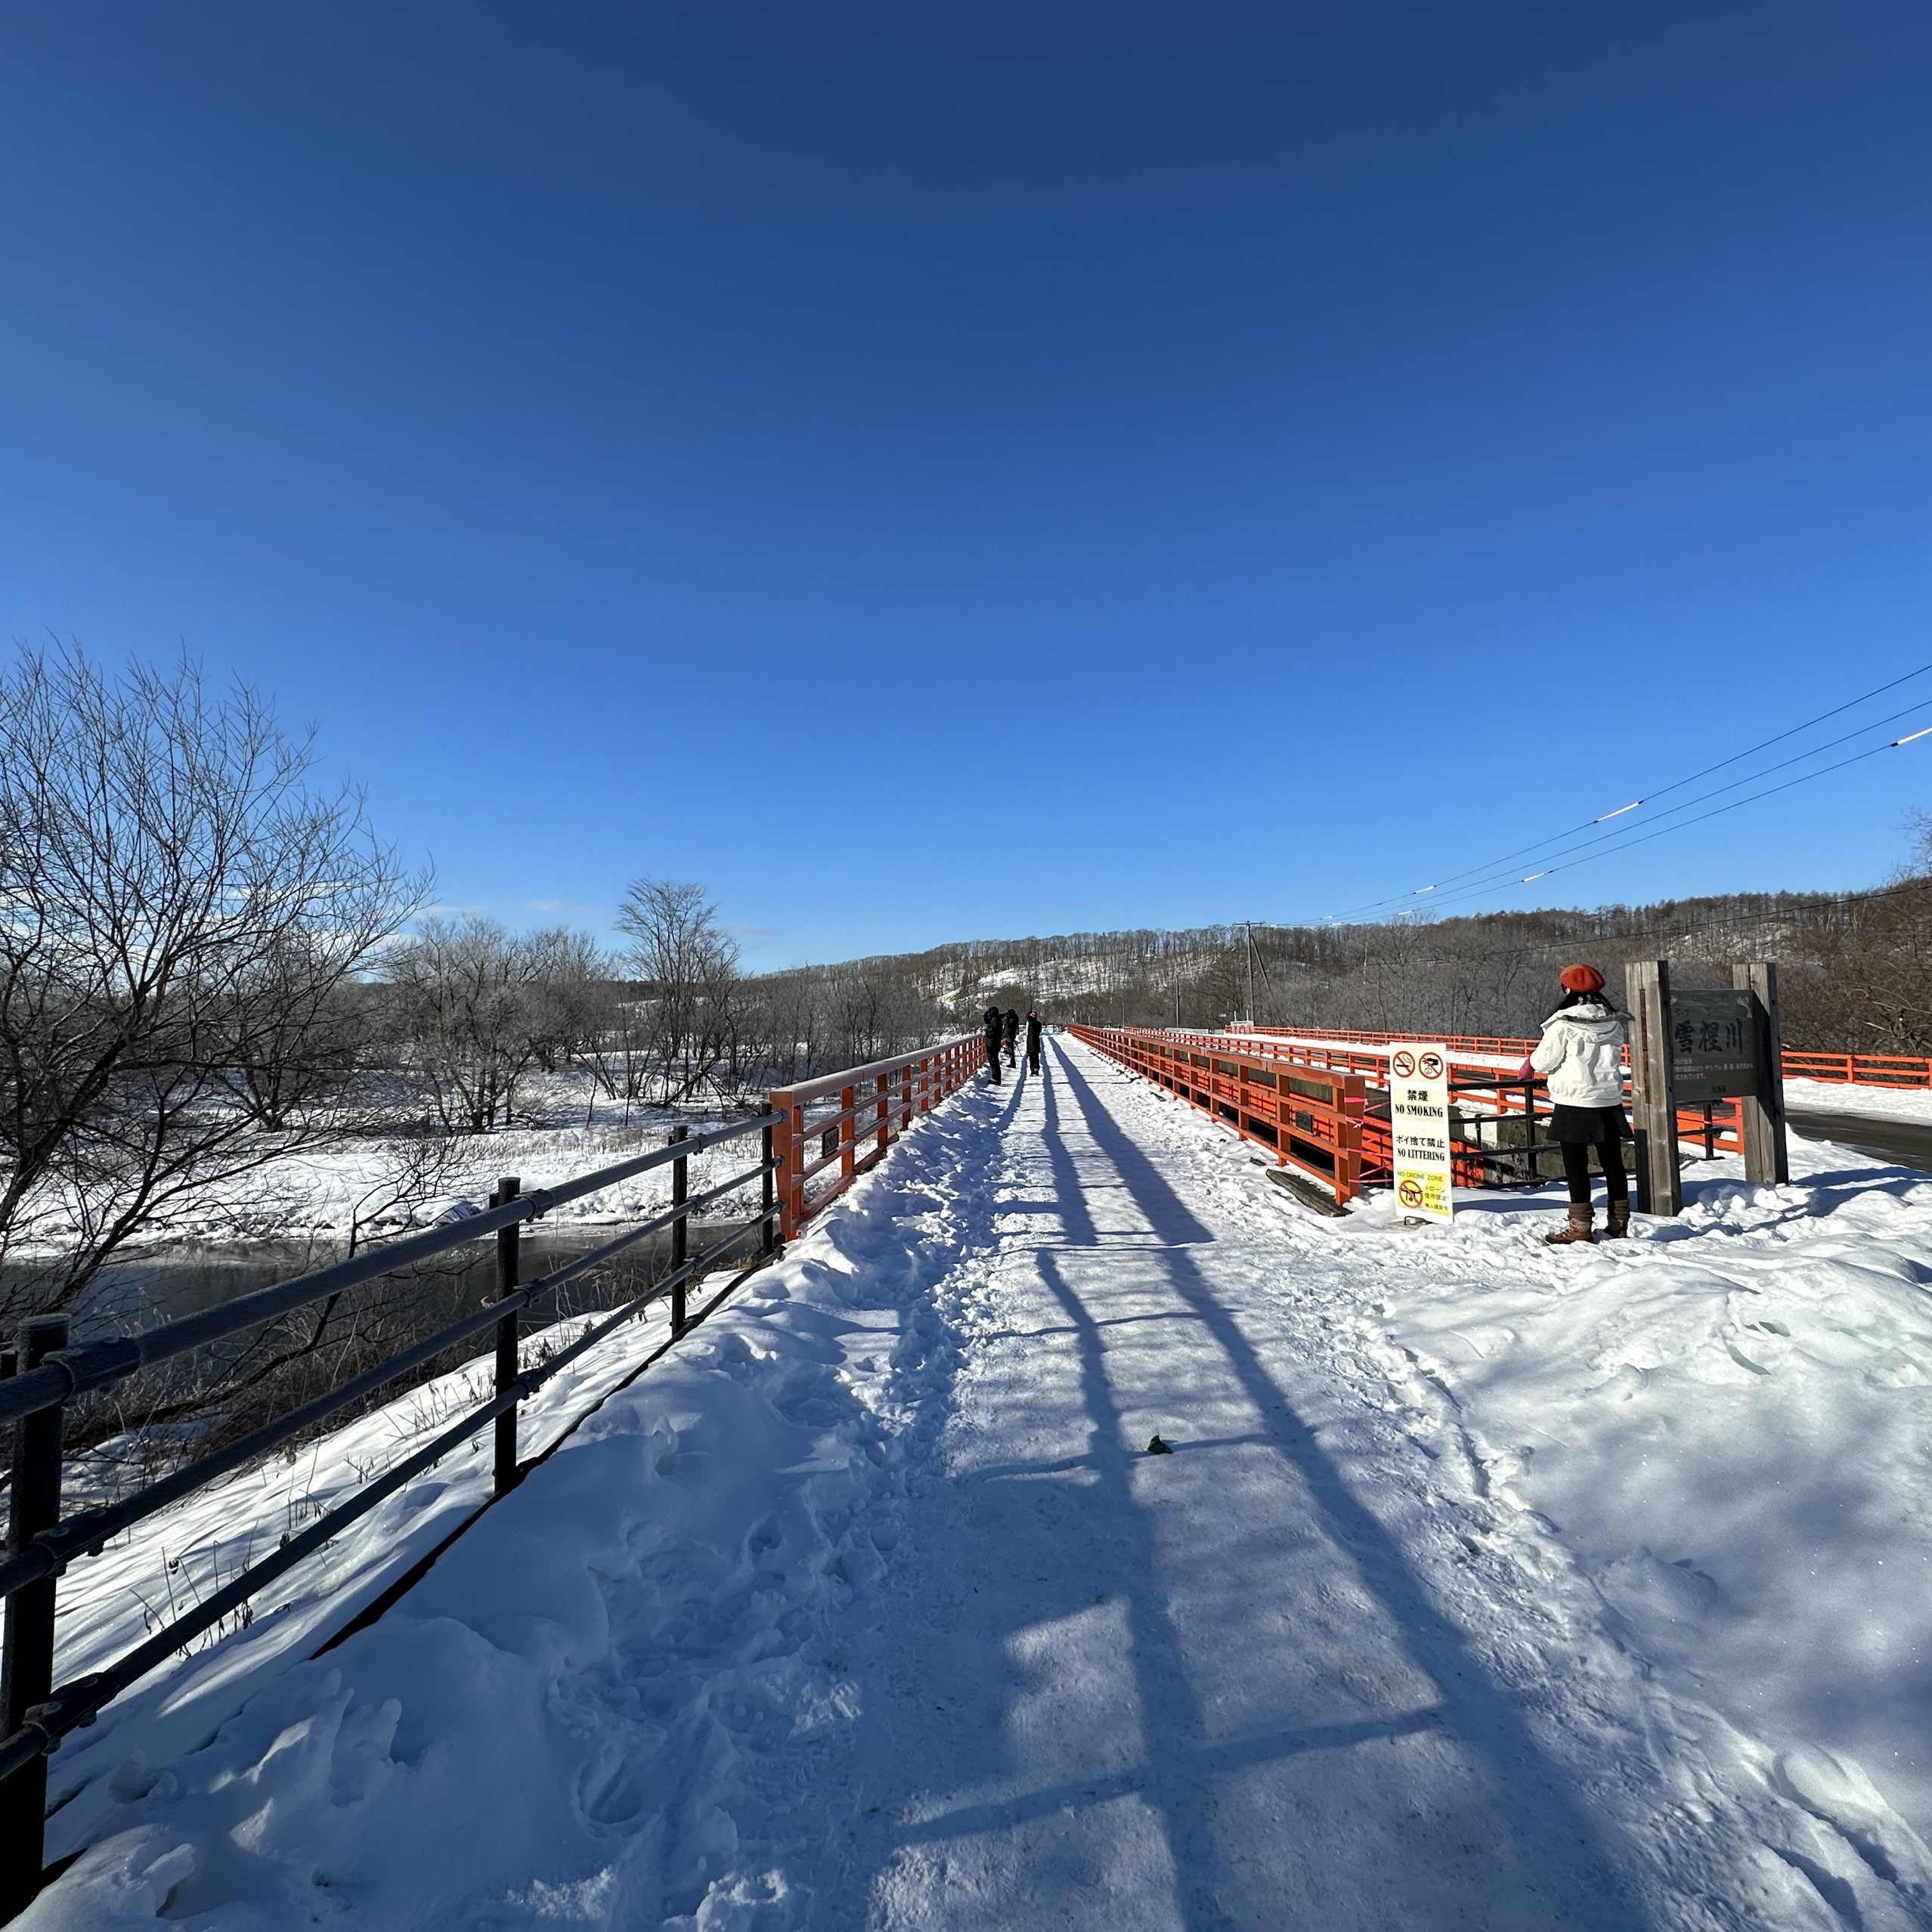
pixel 1660 1187
pixel 1761 1116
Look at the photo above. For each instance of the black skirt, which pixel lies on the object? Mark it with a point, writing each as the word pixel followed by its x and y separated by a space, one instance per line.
pixel 1588 1126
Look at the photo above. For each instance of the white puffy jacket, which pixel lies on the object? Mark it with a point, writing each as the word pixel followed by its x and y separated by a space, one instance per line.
pixel 1581 1055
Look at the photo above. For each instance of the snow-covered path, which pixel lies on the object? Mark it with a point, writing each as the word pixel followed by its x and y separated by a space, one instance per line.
pixel 869 1607
pixel 1204 1689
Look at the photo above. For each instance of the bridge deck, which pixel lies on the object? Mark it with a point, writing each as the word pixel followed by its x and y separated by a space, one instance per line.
pixel 870 1607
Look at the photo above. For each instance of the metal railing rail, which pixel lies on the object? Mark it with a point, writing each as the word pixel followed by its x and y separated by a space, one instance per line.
pixel 876 1102
pixel 1715 1129
pixel 34 1715
pixel 1858 1069
pixel 1485 1096
pixel 1312 1116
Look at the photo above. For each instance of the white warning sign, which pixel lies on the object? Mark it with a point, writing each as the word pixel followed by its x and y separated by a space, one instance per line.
pixel 1419 1124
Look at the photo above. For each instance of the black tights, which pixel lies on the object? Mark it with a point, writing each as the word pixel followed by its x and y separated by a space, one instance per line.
pixel 1576 1171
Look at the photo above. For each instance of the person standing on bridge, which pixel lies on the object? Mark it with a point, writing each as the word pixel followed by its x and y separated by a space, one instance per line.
pixel 1012 1037
pixel 1033 1040
pixel 1581 1057
pixel 995 1022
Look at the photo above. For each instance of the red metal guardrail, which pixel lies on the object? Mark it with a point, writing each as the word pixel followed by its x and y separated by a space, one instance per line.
pixel 1857 1069
pixel 1287 1093
pixel 1311 1115
pixel 874 1102
pixel 1485 1097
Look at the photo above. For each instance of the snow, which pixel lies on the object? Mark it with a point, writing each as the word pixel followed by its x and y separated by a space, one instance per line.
pixel 1487 1585
pixel 386 1185
pixel 1869 1102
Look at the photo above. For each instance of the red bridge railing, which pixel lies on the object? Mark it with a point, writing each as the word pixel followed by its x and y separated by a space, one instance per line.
pixel 1860 1069
pixel 1322 1104
pixel 825 1122
pixel 1311 1115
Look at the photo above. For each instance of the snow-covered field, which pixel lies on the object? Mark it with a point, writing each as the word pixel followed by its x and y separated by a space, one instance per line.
pixel 1487 1585
pixel 383 1186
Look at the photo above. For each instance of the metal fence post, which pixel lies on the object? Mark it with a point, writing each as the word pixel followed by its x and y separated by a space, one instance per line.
pixel 681 1227
pixel 768 1227
pixel 26 1662
pixel 509 1328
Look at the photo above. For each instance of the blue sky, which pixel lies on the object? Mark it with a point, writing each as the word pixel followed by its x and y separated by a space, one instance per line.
pixel 932 472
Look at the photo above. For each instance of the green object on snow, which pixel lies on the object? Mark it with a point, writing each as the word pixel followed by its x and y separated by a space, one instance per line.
pixel 1157 1447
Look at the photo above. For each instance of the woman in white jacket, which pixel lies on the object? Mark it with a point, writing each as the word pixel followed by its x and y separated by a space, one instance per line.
pixel 1581 1057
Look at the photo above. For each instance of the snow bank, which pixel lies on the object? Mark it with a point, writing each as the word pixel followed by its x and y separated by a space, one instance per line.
pixel 1728 1423
pixel 586 1668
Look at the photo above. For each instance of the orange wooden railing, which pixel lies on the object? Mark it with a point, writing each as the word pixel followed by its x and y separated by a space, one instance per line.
pixel 872 1104
pixel 1862 1069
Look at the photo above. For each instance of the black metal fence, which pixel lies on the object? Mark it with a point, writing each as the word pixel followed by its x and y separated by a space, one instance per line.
pixel 47 1373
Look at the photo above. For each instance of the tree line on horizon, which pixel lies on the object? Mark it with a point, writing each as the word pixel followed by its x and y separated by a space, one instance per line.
pixel 1853 967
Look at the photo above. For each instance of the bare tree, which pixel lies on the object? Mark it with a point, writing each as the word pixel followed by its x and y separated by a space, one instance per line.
pixel 689 966
pixel 480 1008
pixel 180 917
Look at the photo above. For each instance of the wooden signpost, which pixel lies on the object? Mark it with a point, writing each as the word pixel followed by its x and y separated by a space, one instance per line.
pixel 1694 1047
pixel 1767 1157
pixel 1653 1102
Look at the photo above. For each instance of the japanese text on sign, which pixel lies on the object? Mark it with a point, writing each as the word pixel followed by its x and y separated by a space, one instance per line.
pixel 1714 1046
pixel 1419 1127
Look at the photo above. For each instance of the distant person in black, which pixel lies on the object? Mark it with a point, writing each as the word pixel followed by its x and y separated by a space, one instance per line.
pixel 1033 1041
pixel 1012 1036
pixel 996 1026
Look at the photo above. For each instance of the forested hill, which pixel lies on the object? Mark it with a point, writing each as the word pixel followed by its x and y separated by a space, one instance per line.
pixel 1855 969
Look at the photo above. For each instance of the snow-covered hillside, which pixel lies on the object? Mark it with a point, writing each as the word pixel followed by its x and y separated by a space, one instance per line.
pixel 1487 1584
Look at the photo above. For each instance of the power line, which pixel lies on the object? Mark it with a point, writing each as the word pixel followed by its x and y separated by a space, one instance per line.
pixel 1857 757
pixel 1676 784
pixel 1616 841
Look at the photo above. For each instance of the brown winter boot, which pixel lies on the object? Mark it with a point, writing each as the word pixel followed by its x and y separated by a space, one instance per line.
pixel 1616 1221
pixel 1578 1230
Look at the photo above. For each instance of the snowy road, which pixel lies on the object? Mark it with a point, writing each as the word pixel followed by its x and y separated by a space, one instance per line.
pixel 869 1607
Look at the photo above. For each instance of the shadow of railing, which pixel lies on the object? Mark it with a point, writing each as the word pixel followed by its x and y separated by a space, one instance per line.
pixel 1530 1794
